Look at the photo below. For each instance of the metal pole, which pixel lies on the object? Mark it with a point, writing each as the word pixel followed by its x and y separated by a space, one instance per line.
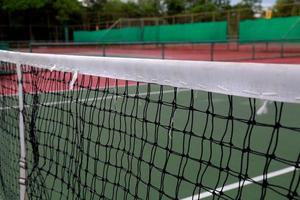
pixel 282 50
pixel 30 47
pixel 163 51
pixel 66 31
pixel 22 163
pixel 30 33
pixel 103 50
pixel 253 51
pixel 228 29
pixel 212 49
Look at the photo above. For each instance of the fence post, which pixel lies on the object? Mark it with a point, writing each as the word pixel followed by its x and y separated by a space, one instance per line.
pixel 253 51
pixel 163 51
pixel 282 49
pixel 212 49
pixel 103 50
pixel 31 38
pixel 213 16
pixel 66 30
pixel 30 47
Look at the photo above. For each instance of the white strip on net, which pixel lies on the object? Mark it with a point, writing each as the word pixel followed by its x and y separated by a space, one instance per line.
pixel 275 82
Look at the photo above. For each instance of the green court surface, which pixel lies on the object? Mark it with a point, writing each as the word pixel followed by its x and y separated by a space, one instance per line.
pixel 139 144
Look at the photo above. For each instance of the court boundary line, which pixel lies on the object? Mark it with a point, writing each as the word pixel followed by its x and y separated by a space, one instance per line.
pixel 76 89
pixel 242 183
pixel 98 98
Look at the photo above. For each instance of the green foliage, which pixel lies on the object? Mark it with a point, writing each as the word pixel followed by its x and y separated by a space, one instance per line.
pixel 222 3
pixel 244 11
pixel 66 8
pixel 286 8
pixel 117 9
pixel 14 5
pixel 248 8
pixel 95 4
pixel 76 12
pixel 208 12
pixel 254 5
pixel 175 6
pixel 199 8
pixel 251 2
pixel 61 9
pixel 149 7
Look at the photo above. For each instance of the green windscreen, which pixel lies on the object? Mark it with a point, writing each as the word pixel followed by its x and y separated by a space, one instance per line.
pixel 113 35
pixel 195 32
pixel 287 28
pixel 4 46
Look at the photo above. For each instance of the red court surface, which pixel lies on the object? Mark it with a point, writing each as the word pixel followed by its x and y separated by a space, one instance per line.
pixel 206 51
pixel 41 82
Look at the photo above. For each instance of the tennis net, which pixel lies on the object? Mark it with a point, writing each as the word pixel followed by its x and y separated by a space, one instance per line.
pixel 76 127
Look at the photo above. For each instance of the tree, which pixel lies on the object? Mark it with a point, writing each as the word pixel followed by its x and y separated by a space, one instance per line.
pixel 222 3
pixel 174 6
pixel 150 7
pixel 206 7
pixel 117 9
pixel 218 3
pixel 247 9
pixel 65 9
pixel 255 5
pixel 286 8
pixel 14 5
pixel 94 4
pixel 210 9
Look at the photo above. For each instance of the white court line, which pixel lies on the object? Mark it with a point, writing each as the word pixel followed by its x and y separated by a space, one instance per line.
pixel 92 99
pixel 71 90
pixel 242 183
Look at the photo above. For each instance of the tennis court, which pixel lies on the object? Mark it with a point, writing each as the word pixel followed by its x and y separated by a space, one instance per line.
pixel 113 139
pixel 231 50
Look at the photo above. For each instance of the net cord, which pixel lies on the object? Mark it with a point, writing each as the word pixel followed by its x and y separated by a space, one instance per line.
pixel 273 82
pixel 22 163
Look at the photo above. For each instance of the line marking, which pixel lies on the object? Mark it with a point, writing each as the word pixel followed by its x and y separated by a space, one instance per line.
pixel 242 183
pixel 67 89
pixel 92 99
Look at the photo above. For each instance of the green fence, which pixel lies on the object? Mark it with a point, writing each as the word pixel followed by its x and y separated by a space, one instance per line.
pixel 280 29
pixel 195 32
pixel 4 46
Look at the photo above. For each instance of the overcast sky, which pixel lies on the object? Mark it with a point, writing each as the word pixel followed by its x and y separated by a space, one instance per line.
pixel 265 3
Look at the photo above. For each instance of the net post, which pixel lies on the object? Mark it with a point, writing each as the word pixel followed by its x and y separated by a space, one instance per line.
pixel 22 162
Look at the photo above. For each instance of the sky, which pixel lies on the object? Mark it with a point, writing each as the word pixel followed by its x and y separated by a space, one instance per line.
pixel 265 3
